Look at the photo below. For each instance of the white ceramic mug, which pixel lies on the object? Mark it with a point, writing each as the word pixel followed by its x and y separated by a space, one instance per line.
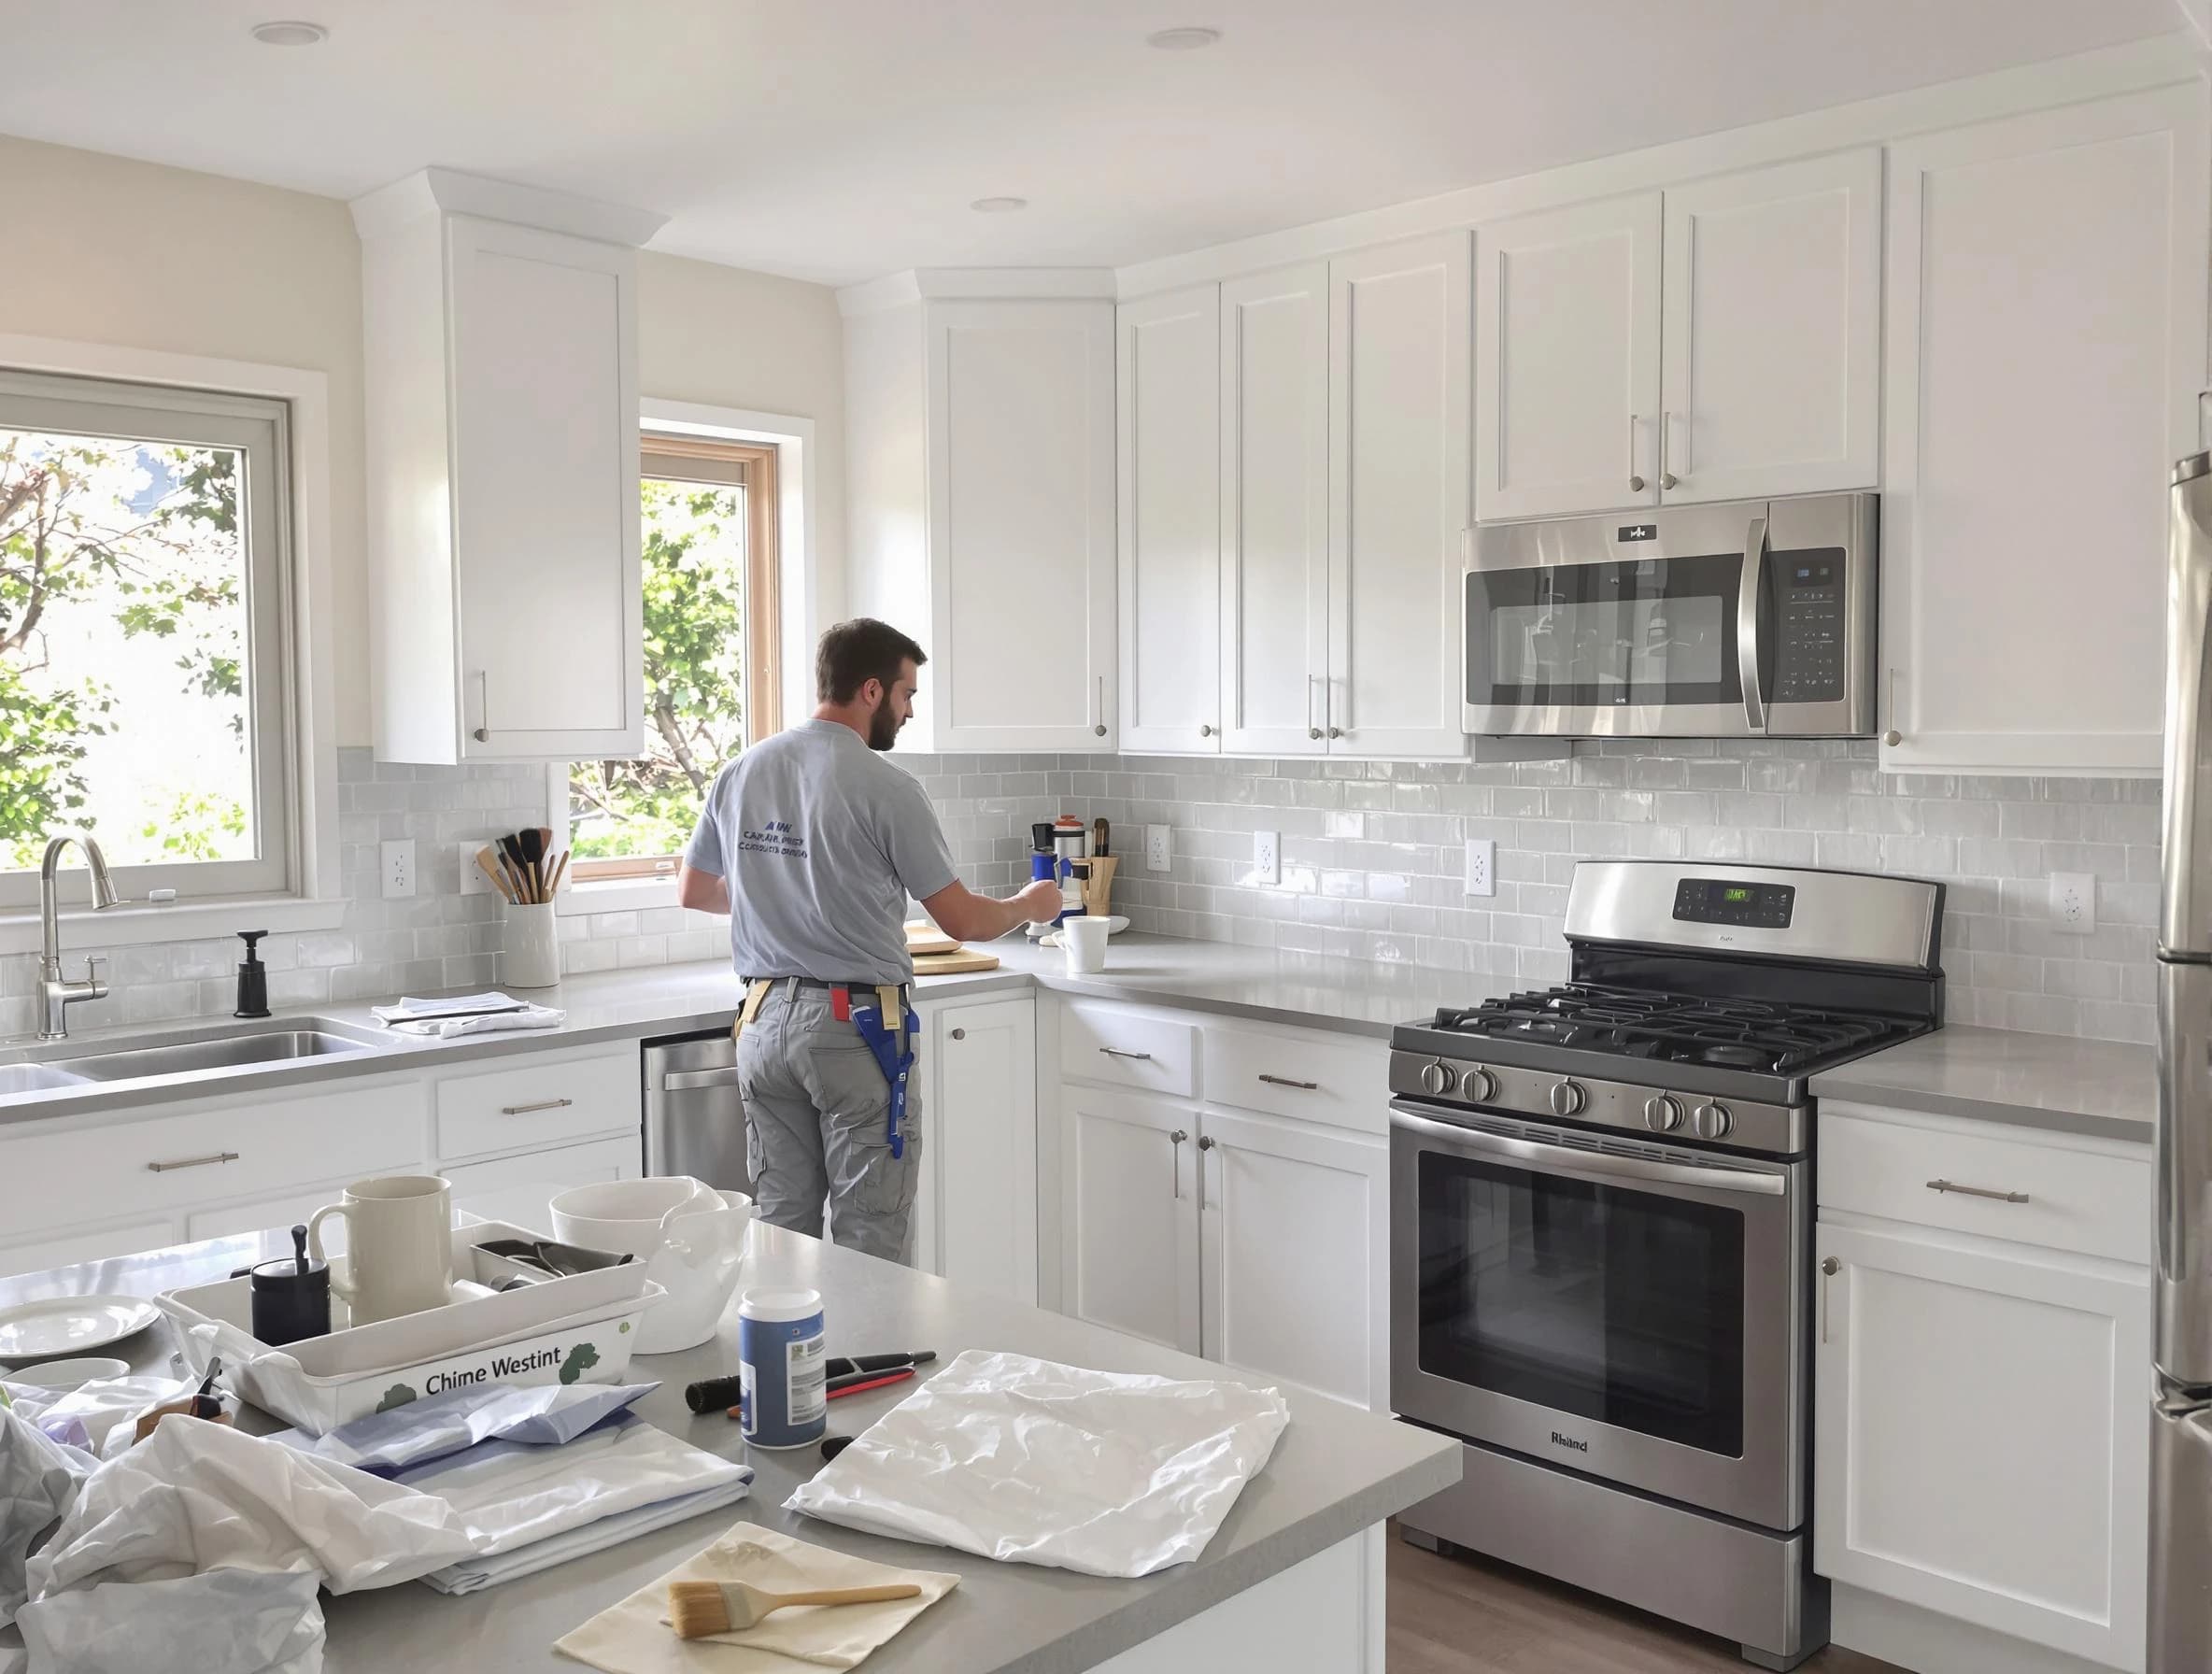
pixel 399 1238
pixel 531 955
pixel 1082 941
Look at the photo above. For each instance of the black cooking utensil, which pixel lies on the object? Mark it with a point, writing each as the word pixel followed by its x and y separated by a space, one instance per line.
pixel 557 1258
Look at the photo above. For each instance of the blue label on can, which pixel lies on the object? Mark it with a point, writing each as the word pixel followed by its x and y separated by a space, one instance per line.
pixel 783 1373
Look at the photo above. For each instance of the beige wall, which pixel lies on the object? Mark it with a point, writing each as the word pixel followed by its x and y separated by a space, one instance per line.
pixel 107 250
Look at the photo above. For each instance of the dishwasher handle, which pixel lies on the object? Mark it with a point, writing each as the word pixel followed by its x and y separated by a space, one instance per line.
pixel 693 1081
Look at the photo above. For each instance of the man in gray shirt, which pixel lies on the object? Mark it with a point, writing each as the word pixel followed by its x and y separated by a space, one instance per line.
pixel 812 842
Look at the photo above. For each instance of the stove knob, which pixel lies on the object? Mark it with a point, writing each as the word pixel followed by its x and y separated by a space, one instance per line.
pixel 1439 1078
pixel 1479 1085
pixel 1567 1098
pixel 1661 1114
pixel 1711 1121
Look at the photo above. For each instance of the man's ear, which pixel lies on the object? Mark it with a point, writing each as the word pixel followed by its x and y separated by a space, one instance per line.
pixel 870 695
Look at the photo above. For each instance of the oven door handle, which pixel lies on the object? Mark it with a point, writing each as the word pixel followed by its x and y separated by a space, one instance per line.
pixel 1598 1165
pixel 1747 625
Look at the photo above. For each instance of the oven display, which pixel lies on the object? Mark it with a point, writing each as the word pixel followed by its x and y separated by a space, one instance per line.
pixel 1722 901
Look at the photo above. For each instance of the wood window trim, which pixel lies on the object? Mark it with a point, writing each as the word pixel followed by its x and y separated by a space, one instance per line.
pixel 756 466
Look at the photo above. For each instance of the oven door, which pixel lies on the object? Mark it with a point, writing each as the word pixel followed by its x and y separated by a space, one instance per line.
pixel 1593 1305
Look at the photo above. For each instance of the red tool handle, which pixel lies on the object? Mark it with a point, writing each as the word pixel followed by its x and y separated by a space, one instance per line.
pixel 897 1375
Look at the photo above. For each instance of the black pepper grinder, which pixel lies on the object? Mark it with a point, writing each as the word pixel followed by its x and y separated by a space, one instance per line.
pixel 292 1295
pixel 253 979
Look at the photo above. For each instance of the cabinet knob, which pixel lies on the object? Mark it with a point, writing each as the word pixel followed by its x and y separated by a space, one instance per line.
pixel 1100 730
pixel 1205 729
pixel 1335 731
pixel 959 1034
pixel 1313 731
pixel 1831 1266
pixel 1893 738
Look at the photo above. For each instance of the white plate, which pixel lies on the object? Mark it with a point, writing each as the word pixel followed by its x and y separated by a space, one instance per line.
pixel 71 1325
pixel 1115 924
pixel 61 1376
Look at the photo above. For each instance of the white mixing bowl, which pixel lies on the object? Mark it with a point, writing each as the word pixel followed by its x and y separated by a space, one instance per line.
pixel 691 1237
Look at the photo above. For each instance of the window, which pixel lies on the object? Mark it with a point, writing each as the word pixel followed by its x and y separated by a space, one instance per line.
pixel 710 511
pixel 145 660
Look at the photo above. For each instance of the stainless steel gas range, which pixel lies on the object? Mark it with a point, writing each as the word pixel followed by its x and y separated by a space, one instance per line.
pixel 1601 1209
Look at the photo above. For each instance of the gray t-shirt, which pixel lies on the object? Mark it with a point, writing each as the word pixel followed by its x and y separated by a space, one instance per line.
pixel 821 839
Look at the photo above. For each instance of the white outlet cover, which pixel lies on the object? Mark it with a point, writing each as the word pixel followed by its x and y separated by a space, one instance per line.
pixel 1481 866
pixel 1159 849
pixel 1266 857
pixel 2073 902
pixel 395 861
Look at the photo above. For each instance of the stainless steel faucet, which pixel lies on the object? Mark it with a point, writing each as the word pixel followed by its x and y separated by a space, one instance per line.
pixel 56 992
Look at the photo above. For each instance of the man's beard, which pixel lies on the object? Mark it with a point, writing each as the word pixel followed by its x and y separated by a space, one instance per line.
pixel 883 726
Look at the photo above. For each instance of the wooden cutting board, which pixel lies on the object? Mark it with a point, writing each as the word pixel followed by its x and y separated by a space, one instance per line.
pixel 952 964
pixel 922 937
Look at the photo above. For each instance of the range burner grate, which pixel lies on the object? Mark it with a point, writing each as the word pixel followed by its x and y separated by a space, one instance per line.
pixel 1737 1034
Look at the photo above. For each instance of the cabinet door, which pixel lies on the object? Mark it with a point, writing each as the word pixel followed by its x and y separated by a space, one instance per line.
pixel 65 1249
pixel 1129 1215
pixel 1981 1427
pixel 1020 444
pixel 1567 360
pixel 1397 448
pixel 518 1189
pixel 1274 510
pixel 980 1146
pixel 1167 385
pixel 2043 346
pixel 1772 330
pixel 1295 1258
pixel 543 387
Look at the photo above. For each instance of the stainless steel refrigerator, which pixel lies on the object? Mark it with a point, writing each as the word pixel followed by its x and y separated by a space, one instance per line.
pixel 2181 1327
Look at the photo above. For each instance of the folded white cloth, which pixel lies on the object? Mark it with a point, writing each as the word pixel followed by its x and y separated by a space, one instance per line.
pixel 633 1637
pixel 451 1005
pixel 1029 1461
pixel 472 1575
pixel 493 1023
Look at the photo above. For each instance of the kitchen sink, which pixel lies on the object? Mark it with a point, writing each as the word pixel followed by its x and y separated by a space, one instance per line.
pixel 36 1078
pixel 209 1050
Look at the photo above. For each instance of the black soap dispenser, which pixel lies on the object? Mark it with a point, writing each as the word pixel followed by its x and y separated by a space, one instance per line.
pixel 253 979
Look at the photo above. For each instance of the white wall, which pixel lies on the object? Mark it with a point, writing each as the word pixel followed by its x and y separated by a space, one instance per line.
pixel 103 249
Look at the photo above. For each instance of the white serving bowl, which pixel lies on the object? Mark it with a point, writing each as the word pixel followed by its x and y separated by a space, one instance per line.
pixel 692 1238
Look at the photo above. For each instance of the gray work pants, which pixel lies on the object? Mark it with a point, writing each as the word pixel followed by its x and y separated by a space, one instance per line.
pixel 818 1113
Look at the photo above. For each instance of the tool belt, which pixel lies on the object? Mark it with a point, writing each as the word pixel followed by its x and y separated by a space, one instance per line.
pixel 884 1025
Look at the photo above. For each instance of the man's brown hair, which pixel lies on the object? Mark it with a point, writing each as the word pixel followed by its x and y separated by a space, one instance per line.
pixel 853 653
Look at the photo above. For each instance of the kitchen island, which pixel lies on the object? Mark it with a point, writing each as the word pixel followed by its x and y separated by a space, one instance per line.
pixel 1292 1581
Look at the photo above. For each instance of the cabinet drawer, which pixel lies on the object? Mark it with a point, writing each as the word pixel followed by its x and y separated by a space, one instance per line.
pixel 211 1154
pixel 1343 1083
pixel 1129 1049
pixel 539 1102
pixel 2090 1201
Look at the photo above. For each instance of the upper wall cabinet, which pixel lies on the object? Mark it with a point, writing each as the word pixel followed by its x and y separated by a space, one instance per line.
pixel 1715 341
pixel 500 333
pixel 981 478
pixel 2046 341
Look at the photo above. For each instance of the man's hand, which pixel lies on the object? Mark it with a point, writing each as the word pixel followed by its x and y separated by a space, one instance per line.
pixel 1039 903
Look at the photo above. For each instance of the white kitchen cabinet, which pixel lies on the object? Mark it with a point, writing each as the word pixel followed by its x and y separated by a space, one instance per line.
pixel 518 1189
pixel 982 490
pixel 1167 415
pixel 975 1218
pixel 538 1100
pixel 1129 1215
pixel 1274 511
pixel 501 404
pixel 1293 1253
pixel 1397 504
pixel 1567 360
pixel 1771 327
pixel 54 1248
pixel 1981 1434
pixel 2044 348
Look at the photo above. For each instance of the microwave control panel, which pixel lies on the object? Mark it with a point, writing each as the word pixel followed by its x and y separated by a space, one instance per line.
pixel 1807 657
pixel 1728 901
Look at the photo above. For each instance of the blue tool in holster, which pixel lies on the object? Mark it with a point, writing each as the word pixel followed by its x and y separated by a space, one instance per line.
pixel 894 1050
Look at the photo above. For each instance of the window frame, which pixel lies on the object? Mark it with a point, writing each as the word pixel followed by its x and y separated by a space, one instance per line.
pixel 794 624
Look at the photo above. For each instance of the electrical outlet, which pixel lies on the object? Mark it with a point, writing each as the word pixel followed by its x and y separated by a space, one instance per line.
pixel 397 860
pixel 1481 866
pixel 2073 902
pixel 1159 847
pixel 1266 857
pixel 472 880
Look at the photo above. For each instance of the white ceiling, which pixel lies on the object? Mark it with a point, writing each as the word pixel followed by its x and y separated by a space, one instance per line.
pixel 839 139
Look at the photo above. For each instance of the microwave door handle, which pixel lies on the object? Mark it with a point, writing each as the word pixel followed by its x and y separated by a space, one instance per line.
pixel 1747 625
pixel 2183 909
pixel 1589 1165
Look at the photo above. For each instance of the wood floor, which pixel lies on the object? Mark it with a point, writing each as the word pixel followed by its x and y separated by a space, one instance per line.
pixel 1457 1615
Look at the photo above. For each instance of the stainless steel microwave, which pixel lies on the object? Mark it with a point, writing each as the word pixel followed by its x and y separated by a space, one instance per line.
pixel 1744 619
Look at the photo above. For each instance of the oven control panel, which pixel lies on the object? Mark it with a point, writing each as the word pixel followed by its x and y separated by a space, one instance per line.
pixel 1808 630
pixel 1727 901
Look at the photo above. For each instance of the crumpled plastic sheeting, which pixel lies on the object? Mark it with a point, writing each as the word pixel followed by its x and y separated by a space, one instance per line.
pixel 224 1622
pixel 1030 1461
pixel 195 1497
pixel 40 1479
pixel 387 1443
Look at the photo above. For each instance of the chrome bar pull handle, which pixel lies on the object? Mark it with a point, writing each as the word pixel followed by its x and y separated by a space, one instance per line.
pixel 1206 1143
pixel 1636 480
pixel 1175 1164
pixel 1747 624
pixel 483 733
pixel 1312 731
pixel 1143 1057
pixel 1829 1270
pixel 1667 479
pixel 1284 1081
pixel 524 1110
pixel 1099 730
pixel 1893 737
pixel 191 1162
pixel 1977 1191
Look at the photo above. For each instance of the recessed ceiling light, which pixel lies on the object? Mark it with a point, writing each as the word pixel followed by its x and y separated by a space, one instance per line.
pixel 1182 40
pixel 291 33
pixel 998 206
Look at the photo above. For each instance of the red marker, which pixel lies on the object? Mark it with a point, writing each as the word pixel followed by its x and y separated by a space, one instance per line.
pixel 859 1382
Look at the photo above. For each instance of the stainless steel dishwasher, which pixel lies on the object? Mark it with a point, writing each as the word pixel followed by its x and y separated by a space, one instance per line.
pixel 695 1122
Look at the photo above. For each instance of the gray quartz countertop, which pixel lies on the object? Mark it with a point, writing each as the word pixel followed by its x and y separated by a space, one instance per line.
pixel 1337 1469
pixel 1344 995
pixel 2104 1088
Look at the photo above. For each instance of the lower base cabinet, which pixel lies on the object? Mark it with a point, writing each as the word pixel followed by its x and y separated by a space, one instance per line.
pixel 1982 1433
pixel 975 1202
pixel 1129 1215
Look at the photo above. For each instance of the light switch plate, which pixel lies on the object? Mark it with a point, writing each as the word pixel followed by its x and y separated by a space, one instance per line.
pixel 396 859
pixel 1481 866
pixel 1266 857
pixel 2073 902
pixel 1159 847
